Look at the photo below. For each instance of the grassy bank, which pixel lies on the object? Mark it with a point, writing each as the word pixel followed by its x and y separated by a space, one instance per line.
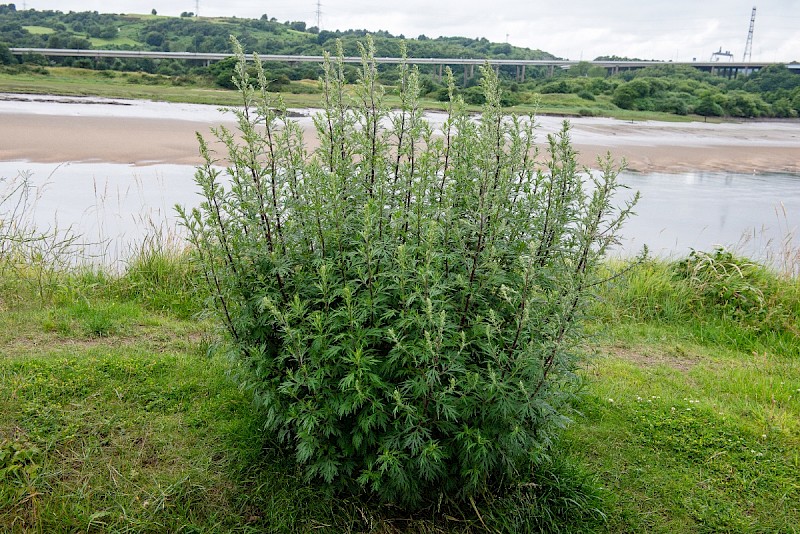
pixel 70 81
pixel 117 413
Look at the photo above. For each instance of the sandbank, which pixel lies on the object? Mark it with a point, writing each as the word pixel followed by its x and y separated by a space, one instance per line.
pixel 55 136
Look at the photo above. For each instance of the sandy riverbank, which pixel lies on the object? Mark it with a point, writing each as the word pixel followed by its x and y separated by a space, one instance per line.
pixel 647 146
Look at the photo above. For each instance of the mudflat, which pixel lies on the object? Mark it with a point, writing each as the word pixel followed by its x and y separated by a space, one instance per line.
pixel 649 146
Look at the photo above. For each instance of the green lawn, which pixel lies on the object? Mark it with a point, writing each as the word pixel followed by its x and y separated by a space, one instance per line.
pixel 686 437
pixel 80 82
pixel 39 30
pixel 117 414
pixel 98 42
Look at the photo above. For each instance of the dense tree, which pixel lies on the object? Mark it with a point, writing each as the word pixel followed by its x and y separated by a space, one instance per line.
pixel 631 95
pixel 707 107
pixel 154 39
pixel 770 79
pixel 6 57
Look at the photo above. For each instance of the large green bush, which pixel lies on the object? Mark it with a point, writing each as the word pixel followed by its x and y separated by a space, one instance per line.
pixel 405 301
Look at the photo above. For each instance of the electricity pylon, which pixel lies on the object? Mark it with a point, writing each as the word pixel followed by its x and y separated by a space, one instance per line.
pixel 748 47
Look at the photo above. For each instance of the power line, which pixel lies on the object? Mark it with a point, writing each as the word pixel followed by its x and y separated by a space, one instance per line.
pixel 319 15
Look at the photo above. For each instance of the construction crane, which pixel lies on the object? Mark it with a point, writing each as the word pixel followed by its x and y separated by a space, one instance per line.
pixel 748 47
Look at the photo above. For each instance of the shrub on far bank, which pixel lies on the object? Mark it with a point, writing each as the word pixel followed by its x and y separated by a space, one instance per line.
pixel 721 297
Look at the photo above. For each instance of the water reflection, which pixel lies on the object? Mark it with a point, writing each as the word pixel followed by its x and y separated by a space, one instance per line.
pixel 118 205
pixel 679 212
pixel 113 207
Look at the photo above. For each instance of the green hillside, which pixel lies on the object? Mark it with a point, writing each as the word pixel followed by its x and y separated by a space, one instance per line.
pixel 661 92
pixel 54 29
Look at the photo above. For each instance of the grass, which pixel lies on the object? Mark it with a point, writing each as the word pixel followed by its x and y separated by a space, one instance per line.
pixel 79 82
pixel 116 416
pixel 690 438
pixel 692 412
pixel 69 81
pixel 39 30
pixel 98 42
pixel 115 430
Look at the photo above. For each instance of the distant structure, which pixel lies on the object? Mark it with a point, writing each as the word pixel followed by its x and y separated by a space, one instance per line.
pixel 748 47
pixel 716 56
pixel 319 15
pixel 196 8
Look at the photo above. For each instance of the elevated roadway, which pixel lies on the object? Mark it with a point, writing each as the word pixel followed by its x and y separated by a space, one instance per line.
pixel 727 68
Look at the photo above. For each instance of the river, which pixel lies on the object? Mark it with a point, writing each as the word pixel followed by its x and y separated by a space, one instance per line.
pixel 113 206
pixel 119 205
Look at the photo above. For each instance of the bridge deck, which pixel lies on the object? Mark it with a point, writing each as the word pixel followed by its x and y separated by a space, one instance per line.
pixel 559 63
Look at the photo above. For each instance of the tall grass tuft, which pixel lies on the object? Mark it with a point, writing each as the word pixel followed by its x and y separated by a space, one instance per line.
pixel 741 291
pixel 161 274
pixel 787 255
pixel 29 256
pixel 645 292
pixel 53 265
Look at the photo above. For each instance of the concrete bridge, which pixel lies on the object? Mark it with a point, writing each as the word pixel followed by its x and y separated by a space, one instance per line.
pixel 724 68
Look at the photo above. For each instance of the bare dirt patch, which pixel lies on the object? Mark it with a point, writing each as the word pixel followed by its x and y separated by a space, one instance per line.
pixel 677 359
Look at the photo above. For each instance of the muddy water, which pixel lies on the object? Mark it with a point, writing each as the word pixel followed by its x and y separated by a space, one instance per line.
pixel 112 207
pixel 679 212
pixel 119 205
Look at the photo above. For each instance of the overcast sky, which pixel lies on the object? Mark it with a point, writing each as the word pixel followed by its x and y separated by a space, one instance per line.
pixel 678 30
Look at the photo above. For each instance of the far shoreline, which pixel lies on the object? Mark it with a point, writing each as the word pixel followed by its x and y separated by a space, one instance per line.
pixel 69 135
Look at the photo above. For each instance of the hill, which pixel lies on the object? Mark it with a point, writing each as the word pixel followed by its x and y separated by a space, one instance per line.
pixel 54 29
pixel 658 92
